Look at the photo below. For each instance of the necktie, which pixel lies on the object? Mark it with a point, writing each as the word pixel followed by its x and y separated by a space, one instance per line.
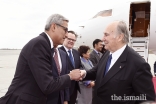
pixel 98 54
pixel 71 57
pixel 56 60
pixel 108 63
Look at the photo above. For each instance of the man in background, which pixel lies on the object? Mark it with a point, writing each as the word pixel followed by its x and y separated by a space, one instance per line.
pixel 61 68
pixel 74 63
pixel 96 54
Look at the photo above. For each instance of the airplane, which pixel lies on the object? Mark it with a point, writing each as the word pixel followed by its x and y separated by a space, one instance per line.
pixel 140 17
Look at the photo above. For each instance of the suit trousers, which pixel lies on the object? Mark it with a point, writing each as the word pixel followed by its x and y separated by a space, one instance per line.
pixel 73 97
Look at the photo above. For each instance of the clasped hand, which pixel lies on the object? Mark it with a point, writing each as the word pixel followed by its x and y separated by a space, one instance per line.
pixel 77 74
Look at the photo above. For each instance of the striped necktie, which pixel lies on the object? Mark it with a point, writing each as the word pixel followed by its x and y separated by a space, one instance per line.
pixel 56 60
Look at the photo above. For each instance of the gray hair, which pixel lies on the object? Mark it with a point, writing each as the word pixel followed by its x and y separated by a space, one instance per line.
pixel 55 18
pixel 122 29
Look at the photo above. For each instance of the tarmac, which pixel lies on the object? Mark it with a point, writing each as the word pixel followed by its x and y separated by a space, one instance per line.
pixel 8 60
pixel 8 66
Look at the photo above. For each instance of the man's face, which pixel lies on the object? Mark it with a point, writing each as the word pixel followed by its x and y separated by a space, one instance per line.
pixel 60 33
pixel 69 41
pixel 110 38
pixel 99 46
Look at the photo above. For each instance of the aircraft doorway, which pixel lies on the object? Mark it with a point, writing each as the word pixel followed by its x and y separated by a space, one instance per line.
pixel 139 19
pixel 139 26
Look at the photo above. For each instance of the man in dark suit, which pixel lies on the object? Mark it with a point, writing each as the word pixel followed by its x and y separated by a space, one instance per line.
pixel 62 96
pixel 96 54
pixel 36 75
pixel 74 63
pixel 122 75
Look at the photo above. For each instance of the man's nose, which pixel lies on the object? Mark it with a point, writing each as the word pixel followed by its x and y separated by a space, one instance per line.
pixel 103 38
pixel 65 36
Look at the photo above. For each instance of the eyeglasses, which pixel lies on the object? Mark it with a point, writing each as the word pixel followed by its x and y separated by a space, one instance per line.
pixel 71 39
pixel 64 28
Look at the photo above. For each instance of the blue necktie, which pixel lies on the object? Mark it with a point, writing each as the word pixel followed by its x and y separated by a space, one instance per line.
pixel 71 57
pixel 108 63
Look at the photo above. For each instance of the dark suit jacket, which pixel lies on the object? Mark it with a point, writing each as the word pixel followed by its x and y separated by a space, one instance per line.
pixel 94 58
pixel 74 84
pixel 33 80
pixel 58 97
pixel 129 76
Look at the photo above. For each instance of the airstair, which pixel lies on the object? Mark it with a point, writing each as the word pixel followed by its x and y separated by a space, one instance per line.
pixel 140 45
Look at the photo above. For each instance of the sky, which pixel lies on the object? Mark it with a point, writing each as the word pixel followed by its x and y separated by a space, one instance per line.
pixel 22 20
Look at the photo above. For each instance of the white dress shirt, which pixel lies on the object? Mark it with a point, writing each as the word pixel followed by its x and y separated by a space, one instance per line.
pixel 59 58
pixel 116 55
pixel 68 50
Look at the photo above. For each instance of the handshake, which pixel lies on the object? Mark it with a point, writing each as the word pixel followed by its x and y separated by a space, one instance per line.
pixel 77 74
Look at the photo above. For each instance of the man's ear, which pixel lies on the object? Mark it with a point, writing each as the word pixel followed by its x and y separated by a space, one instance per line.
pixel 121 37
pixel 53 27
pixel 95 45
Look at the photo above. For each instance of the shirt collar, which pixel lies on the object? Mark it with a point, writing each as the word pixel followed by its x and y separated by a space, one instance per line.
pixel 83 59
pixel 67 49
pixel 96 51
pixel 117 53
pixel 51 42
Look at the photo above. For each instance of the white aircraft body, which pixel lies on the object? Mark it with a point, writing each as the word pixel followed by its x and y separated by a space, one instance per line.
pixel 140 17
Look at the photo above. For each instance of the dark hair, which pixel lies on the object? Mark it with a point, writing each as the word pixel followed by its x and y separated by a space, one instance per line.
pixel 96 41
pixel 83 50
pixel 103 50
pixel 73 33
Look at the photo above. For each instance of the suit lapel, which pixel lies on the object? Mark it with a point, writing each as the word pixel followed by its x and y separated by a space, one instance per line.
pixel 63 62
pixel 118 65
pixel 101 55
pixel 101 69
pixel 54 67
pixel 45 36
pixel 96 55
pixel 68 56
pixel 74 55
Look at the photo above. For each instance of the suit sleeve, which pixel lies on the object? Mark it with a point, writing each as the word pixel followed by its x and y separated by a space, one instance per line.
pixel 142 82
pixel 40 64
pixel 91 74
